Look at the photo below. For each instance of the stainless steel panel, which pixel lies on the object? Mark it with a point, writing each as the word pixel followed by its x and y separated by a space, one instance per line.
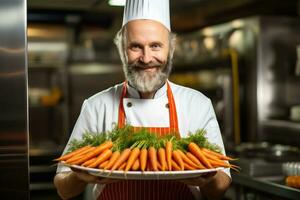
pixel 14 182
pixel 277 83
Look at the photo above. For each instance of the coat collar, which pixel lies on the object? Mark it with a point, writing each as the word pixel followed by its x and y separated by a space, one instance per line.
pixel 133 93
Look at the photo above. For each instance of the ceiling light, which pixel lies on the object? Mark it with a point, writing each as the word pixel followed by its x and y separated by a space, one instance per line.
pixel 116 2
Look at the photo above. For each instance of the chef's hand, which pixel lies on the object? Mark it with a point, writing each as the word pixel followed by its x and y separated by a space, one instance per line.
pixel 200 180
pixel 84 176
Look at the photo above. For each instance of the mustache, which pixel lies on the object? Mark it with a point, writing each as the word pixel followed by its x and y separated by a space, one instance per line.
pixel 138 64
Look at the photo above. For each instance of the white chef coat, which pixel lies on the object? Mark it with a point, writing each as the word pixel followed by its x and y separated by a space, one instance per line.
pixel 99 113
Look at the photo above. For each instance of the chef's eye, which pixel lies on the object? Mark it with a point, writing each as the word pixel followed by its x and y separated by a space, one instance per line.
pixel 135 47
pixel 155 46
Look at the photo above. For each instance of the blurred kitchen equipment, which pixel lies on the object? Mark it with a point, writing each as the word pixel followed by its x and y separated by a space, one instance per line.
pixel 297 68
pixel 295 113
pixel 291 168
pixel 292 172
pixel 14 159
pixel 268 152
pixel 35 95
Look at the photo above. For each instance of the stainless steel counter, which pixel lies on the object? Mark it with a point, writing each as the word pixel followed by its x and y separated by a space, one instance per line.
pixel 271 187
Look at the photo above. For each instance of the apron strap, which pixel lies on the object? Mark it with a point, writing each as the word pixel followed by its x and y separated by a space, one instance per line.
pixel 172 109
pixel 121 115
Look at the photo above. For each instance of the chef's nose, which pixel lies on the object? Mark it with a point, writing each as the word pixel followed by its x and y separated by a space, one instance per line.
pixel 146 57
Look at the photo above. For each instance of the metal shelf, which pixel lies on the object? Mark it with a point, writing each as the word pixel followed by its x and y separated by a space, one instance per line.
pixel 278 123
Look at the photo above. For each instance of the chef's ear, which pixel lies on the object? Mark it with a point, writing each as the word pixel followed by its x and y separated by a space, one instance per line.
pixel 172 43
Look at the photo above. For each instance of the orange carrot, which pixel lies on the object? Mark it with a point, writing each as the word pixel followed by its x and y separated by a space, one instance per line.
pixel 169 154
pixel 196 151
pixel 218 155
pixel 136 165
pixel 122 167
pixel 162 158
pixel 159 167
pixel 149 167
pixel 188 167
pixel 175 167
pixel 133 156
pixel 187 160
pixel 143 159
pixel 88 162
pixel 218 163
pixel 80 155
pixel 104 156
pixel 211 156
pixel 123 158
pixel 195 160
pixel 222 163
pixel 153 158
pixel 177 158
pixel 73 153
pixel 99 149
pixel 112 159
pixel 102 165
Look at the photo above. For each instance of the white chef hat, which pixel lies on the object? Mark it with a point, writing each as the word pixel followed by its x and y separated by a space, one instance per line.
pixel 157 10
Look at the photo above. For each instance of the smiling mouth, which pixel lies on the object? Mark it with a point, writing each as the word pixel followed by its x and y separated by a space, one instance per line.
pixel 147 69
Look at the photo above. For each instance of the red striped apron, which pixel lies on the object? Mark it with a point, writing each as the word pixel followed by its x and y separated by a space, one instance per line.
pixel 148 189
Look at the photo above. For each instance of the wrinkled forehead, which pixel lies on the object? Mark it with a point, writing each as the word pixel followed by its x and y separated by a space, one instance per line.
pixel 144 30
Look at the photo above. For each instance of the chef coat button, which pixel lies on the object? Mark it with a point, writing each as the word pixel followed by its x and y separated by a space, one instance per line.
pixel 167 105
pixel 129 104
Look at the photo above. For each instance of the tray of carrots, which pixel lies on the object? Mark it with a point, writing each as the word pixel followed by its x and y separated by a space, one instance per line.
pixel 126 154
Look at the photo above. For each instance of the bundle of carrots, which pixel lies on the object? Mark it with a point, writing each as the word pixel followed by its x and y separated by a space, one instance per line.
pixel 122 149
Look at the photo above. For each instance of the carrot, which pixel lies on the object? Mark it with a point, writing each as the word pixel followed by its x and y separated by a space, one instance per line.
pixel 195 160
pixel 175 167
pixel 143 158
pixel 218 155
pixel 136 165
pixel 218 163
pixel 123 158
pixel 149 167
pixel 122 167
pixel 187 160
pixel 162 158
pixel 221 163
pixel 99 149
pixel 73 153
pixel 153 158
pixel 102 165
pixel 101 158
pixel 133 156
pixel 212 156
pixel 177 158
pixel 88 162
pixel 159 167
pixel 112 159
pixel 79 155
pixel 196 151
pixel 188 167
pixel 169 154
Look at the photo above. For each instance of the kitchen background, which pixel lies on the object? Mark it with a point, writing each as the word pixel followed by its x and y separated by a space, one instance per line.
pixel 243 54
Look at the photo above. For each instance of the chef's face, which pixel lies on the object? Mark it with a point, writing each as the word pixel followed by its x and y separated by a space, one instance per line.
pixel 147 60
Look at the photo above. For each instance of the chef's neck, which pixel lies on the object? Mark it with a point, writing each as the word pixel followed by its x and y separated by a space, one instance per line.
pixel 147 95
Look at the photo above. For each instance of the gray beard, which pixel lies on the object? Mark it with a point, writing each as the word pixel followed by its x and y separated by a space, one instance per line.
pixel 145 81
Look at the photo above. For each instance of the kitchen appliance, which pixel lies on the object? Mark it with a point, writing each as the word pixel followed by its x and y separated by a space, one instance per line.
pixel 14 178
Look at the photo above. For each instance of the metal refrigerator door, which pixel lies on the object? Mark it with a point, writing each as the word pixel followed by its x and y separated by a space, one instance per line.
pixel 14 181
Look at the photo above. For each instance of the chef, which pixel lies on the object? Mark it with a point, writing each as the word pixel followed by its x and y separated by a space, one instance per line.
pixel 146 99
